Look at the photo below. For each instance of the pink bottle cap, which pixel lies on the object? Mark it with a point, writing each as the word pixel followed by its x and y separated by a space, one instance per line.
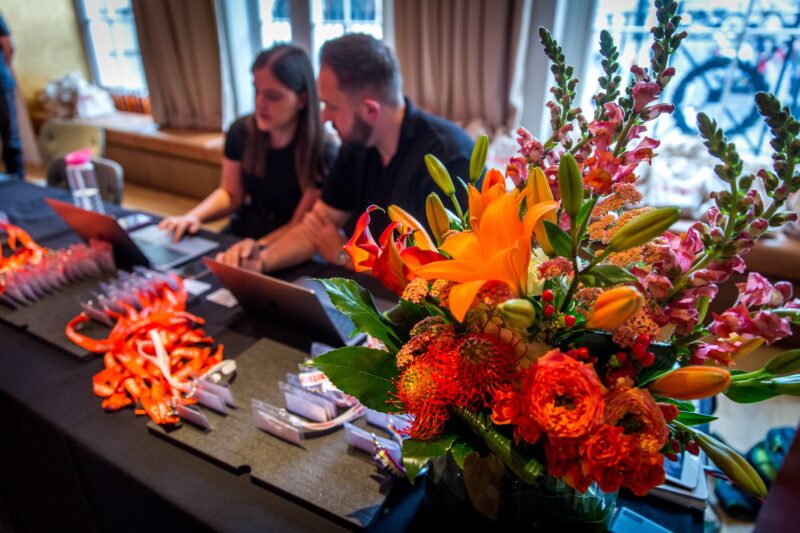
pixel 79 157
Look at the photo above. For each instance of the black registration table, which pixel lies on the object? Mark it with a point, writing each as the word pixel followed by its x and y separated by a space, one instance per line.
pixel 67 465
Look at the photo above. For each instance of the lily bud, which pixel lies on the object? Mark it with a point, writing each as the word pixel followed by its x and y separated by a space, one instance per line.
pixel 784 363
pixel 644 228
pixel 747 347
pixel 537 190
pixel 733 465
pixel 702 308
pixel 436 213
pixel 691 383
pixel 422 240
pixel 518 312
pixel 439 174
pixel 478 159
pixel 570 182
pixel 614 307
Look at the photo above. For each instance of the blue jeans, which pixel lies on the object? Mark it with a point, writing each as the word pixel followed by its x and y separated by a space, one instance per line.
pixel 9 135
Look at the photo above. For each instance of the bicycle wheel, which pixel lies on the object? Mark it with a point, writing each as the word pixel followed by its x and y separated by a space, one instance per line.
pixel 702 90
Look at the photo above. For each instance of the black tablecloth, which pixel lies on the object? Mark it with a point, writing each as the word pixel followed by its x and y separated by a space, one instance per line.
pixel 67 465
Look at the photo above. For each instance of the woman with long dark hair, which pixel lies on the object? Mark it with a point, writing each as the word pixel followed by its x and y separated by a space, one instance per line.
pixel 275 159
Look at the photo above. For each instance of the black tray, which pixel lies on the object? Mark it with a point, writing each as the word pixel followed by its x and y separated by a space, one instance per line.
pixel 342 483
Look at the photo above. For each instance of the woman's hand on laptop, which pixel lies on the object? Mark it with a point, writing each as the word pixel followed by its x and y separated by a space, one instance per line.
pixel 180 225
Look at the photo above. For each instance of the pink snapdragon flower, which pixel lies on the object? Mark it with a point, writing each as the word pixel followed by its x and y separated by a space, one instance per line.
pixel 757 291
pixel 644 92
pixel 529 147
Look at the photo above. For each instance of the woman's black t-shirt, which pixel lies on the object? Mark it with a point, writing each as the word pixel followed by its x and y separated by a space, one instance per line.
pixel 269 200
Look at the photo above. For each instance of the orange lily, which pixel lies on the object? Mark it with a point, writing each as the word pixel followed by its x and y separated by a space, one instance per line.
pixel 361 247
pixel 409 223
pixel 390 260
pixel 494 185
pixel 498 248
pixel 537 190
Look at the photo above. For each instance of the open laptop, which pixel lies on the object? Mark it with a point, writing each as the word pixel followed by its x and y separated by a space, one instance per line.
pixel 147 246
pixel 305 301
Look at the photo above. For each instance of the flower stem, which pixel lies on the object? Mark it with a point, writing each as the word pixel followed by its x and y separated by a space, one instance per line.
pixel 528 470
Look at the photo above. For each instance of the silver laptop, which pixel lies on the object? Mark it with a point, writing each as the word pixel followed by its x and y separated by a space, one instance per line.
pixel 304 301
pixel 148 246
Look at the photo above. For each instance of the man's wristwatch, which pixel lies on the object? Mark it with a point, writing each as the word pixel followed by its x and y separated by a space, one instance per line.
pixel 342 258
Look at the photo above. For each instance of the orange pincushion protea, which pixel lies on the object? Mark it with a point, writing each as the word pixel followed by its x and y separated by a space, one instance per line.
pixel 564 396
pixel 479 365
pixel 421 392
pixel 638 414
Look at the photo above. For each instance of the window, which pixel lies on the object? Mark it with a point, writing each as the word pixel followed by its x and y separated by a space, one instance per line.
pixel 735 49
pixel 276 24
pixel 334 18
pixel 309 23
pixel 112 45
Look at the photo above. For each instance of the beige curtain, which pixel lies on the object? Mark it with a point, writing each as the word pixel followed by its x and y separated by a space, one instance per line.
pixel 181 57
pixel 463 59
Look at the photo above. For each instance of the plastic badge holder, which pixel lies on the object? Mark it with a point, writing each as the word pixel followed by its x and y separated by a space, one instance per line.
pixel 217 389
pixel 307 404
pixel 318 348
pixel 292 379
pixel 277 422
pixel 387 421
pixel 192 414
pixel 210 400
pixel 365 441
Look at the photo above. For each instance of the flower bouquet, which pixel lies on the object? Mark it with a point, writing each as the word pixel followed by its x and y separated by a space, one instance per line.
pixel 549 339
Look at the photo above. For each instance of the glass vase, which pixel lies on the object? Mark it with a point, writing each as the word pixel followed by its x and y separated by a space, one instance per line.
pixel 550 504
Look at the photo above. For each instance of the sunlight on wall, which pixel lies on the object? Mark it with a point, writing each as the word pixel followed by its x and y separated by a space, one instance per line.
pixel 48 42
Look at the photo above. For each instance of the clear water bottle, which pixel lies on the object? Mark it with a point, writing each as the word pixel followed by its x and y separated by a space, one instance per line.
pixel 82 181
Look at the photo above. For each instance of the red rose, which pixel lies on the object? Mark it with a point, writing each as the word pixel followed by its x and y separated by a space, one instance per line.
pixel 575 477
pixel 561 454
pixel 647 474
pixel 669 411
pixel 506 408
pixel 527 430
pixel 609 479
pixel 606 447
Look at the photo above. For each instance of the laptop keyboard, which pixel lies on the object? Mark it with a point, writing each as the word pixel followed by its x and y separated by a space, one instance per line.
pixel 157 254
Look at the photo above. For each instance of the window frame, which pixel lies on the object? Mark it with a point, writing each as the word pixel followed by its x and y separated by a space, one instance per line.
pixel 90 50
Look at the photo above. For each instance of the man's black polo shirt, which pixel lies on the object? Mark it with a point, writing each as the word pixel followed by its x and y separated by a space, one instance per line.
pixel 358 177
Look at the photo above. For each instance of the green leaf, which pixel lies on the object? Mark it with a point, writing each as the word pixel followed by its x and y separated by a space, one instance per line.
pixel 684 406
pixel 749 393
pixel 606 276
pixel 784 363
pixel 460 451
pixel 356 302
pixel 405 314
pixel 694 419
pixel 559 239
pixel 362 372
pixel 417 453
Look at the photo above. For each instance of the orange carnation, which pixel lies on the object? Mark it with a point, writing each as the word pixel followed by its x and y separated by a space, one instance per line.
pixel 564 396
pixel 638 414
